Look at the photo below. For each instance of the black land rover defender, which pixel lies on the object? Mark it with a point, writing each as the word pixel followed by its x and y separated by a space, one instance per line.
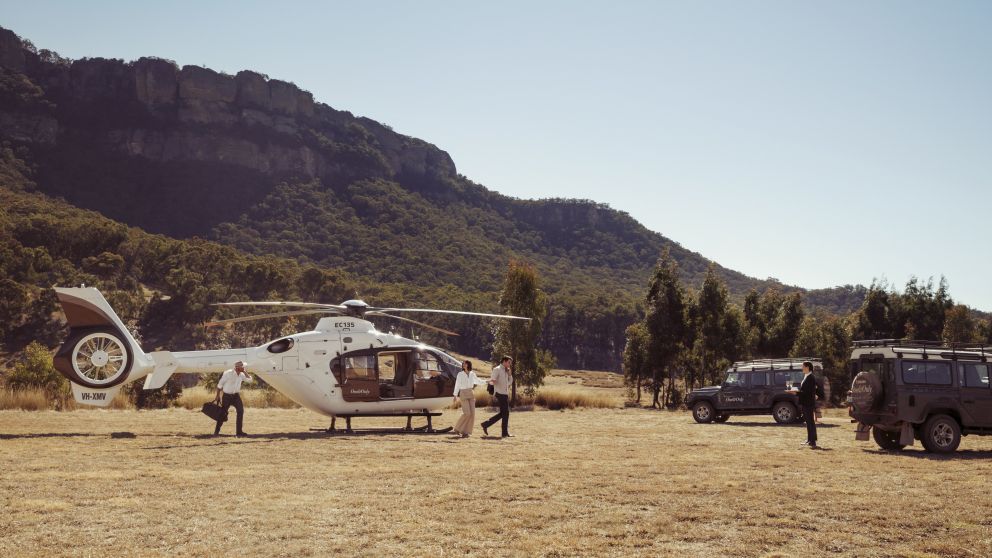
pixel 920 390
pixel 755 387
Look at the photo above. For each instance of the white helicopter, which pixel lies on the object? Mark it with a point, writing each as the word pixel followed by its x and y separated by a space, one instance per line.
pixel 343 368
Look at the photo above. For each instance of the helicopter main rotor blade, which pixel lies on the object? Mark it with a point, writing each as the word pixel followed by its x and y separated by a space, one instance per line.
pixel 270 315
pixel 282 304
pixel 456 312
pixel 422 324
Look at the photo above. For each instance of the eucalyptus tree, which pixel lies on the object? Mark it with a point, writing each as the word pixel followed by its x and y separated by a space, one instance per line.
pixel 522 296
pixel 667 322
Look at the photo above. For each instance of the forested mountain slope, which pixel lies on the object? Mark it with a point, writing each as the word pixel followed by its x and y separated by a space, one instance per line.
pixel 257 164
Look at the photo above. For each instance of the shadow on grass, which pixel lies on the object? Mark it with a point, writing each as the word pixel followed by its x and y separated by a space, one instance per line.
pixel 920 453
pixel 51 435
pixel 777 425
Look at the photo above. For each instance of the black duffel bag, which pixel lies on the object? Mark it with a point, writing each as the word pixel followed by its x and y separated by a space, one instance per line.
pixel 214 411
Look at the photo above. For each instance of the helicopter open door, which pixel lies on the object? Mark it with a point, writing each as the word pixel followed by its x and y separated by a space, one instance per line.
pixel 393 373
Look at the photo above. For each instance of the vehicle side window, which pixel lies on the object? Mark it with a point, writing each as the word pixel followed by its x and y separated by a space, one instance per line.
pixel 759 379
pixel 736 379
pixel 359 368
pixel 975 375
pixel 786 376
pixel 929 373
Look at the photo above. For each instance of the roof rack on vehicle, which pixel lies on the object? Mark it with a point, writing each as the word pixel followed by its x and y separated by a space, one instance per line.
pixel 794 363
pixel 897 343
pixel 945 350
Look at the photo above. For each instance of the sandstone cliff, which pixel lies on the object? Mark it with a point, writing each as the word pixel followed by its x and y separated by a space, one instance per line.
pixel 154 109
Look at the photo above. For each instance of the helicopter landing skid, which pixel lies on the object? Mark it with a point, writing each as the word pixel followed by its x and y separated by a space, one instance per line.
pixel 408 429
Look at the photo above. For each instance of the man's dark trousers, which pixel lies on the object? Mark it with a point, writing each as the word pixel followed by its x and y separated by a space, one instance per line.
pixel 809 415
pixel 232 400
pixel 504 413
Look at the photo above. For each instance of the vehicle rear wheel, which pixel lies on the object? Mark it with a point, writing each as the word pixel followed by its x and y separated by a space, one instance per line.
pixel 886 439
pixel 703 412
pixel 721 418
pixel 784 412
pixel 941 434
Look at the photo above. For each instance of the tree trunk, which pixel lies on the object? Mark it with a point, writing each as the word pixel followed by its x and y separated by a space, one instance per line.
pixel 702 373
pixel 638 389
pixel 671 387
pixel 656 388
pixel 513 377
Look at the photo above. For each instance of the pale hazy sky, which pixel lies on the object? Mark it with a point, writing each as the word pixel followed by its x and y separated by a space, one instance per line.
pixel 819 143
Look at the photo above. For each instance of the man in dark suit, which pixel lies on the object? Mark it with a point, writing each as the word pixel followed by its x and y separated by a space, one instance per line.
pixel 807 400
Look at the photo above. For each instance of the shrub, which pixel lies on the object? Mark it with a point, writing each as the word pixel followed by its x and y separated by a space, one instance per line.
pixel 166 396
pixel 35 371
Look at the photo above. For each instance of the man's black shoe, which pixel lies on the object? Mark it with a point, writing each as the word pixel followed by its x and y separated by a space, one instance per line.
pixel 241 435
pixel 485 429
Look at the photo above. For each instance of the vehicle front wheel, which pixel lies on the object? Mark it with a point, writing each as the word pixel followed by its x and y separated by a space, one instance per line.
pixel 721 418
pixel 784 412
pixel 703 412
pixel 886 439
pixel 941 434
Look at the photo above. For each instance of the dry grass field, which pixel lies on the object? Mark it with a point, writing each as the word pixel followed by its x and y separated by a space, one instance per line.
pixel 601 482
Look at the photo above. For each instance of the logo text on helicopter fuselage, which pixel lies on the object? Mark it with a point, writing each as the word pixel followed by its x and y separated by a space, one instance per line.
pixel 344 324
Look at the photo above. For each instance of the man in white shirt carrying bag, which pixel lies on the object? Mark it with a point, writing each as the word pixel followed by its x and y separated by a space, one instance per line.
pixel 501 380
pixel 229 395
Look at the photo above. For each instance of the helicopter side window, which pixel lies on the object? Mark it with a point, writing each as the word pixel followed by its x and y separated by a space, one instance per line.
pixel 359 368
pixel 427 366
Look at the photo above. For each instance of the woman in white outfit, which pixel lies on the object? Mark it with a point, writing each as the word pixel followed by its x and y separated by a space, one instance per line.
pixel 464 385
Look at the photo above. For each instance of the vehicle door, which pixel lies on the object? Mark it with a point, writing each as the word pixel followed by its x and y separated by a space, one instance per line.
pixel 759 392
pixel 976 394
pixel 732 392
pixel 926 384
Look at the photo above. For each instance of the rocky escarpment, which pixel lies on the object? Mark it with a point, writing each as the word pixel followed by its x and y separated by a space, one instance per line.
pixel 152 108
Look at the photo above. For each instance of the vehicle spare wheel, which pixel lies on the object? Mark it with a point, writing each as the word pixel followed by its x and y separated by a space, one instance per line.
pixel 95 358
pixel 866 391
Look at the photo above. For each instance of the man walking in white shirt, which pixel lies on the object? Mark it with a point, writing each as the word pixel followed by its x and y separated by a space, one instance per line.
pixel 501 380
pixel 229 395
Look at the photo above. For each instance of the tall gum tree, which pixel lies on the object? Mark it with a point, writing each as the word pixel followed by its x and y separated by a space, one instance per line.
pixel 667 321
pixel 521 296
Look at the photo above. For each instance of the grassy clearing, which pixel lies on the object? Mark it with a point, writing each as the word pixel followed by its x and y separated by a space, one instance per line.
pixel 598 482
